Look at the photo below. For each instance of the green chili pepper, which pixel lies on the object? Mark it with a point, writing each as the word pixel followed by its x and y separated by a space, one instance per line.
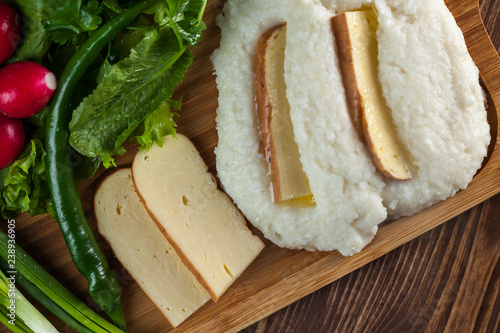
pixel 104 287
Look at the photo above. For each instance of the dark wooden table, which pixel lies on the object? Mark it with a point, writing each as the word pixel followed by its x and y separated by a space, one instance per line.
pixel 447 280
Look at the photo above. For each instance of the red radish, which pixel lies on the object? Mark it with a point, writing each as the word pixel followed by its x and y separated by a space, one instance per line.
pixel 11 139
pixel 25 88
pixel 10 31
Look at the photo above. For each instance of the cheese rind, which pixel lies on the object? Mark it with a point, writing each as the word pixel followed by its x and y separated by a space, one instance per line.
pixel 142 249
pixel 201 222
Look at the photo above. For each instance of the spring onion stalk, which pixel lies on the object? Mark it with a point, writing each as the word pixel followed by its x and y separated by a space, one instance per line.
pixel 24 317
pixel 49 304
pixel 52 294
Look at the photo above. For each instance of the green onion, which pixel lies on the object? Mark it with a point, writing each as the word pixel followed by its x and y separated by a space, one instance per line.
pixel 52 294
pixel 27 317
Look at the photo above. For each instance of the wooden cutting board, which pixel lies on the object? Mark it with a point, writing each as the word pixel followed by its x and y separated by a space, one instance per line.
pixel 279 276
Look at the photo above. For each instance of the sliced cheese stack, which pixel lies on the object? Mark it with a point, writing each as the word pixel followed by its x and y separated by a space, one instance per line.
pixel 143 250
pixel 200 222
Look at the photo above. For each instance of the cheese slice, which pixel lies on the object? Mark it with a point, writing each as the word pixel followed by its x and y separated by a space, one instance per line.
pixel 355 34
pixel 203 225
pixel 289 181
pixel 142 249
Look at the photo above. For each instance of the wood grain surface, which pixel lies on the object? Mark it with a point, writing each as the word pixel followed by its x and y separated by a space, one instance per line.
pixel 446 279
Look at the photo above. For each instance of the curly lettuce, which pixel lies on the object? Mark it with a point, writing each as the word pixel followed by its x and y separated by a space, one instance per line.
pixel 24 185
pixel 158 124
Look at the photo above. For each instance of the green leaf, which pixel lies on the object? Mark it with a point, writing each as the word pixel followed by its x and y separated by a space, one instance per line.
pixel 158 124
pixel 132 89
pixel 25 186
pixel 65 20
pixel 35 40
pixel 190 31
pixel 183 17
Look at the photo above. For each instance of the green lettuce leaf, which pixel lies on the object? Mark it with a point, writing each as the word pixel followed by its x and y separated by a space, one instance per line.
pixel 24 184
pixel 133 88
pixel 158 124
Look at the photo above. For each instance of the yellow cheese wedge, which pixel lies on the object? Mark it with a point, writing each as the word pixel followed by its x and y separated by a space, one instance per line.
pixel 142 249
pixel 355 34
pixel 201 223
pixel 289 181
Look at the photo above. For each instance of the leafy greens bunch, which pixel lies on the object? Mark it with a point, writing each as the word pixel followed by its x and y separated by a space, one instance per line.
pixel 124 95
pixel 116 70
